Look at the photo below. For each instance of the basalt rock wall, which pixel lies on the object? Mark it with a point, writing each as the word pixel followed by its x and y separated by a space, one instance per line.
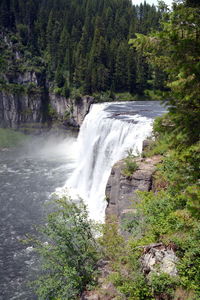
pixel 70 111
pixel 121 191
pixel 17 109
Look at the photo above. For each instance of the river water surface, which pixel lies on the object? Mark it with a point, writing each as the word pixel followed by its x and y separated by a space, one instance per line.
pixel 28 176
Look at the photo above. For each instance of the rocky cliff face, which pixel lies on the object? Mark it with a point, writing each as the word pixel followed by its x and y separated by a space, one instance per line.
pixel 121 193
pixel 25 97
pixel 70 111
pixel 121 190
pixel 17 109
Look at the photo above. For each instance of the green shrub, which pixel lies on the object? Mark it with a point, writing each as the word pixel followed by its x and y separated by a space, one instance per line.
pixel 111 240
pixel 158 147
pixel 153 94
pixel 69 255
pixel 136 288
pixel 130 164
pixel 163 285
pixel 57 91
pixel 23 33
pixel 104 97
pixel 192 193
pixel 76 93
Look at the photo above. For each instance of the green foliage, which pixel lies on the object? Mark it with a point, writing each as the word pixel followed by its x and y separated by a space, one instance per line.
pixel 69 253
pixel 104 97
pixel 10 138
pixel 135 288
pixel 124 97
pixel 57 91
pixel 164 285
pixel 192 194
pixel 170 216
pixel 130 165
pixel 66 92
pixel 14 88
pixel 81 44
pixel 175 50
pixel 52 112
pixel 153 95
pixel 76 94
pixel 158 146
pixel 189 264
pixel 111 240
pixel 60 81
pixel 23 33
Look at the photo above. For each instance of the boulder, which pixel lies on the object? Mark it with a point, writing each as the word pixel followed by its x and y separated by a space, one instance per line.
pixel 158 258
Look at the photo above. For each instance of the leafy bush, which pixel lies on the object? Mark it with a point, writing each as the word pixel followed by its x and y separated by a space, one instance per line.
pixel 57 91
pixel 15 88
pixel 111 240
pixel 192 193
pixel 130 164
pixel 104 97
pixel 136 288
pixel 164 285
pixel 158 147
pixel 76 94
pixel 153 94
pixel 69 255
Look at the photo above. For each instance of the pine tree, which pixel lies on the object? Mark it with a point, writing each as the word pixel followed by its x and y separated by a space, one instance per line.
pixel 121 67
pixel 176 49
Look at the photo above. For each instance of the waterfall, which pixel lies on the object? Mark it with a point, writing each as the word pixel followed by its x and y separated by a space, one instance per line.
pixel 107 133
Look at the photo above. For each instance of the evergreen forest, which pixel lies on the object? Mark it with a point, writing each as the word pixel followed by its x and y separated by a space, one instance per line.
pixel 73 44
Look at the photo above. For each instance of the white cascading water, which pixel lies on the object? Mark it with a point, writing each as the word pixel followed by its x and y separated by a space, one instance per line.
pixel 102 141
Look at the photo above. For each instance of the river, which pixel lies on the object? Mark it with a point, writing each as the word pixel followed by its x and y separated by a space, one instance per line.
pixel 31 173
pixel 28 176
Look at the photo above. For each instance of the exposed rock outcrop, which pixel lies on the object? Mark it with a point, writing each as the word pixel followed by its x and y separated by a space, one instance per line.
pixel 158 258
pixel 121 190
pixel 71 111
pixel 16 109
pixel 23 108
pixel 120 194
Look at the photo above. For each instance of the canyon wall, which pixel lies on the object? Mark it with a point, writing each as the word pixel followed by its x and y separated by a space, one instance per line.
pixel 18 109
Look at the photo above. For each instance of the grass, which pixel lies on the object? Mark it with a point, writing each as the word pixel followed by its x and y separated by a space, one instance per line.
pixel 10 138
